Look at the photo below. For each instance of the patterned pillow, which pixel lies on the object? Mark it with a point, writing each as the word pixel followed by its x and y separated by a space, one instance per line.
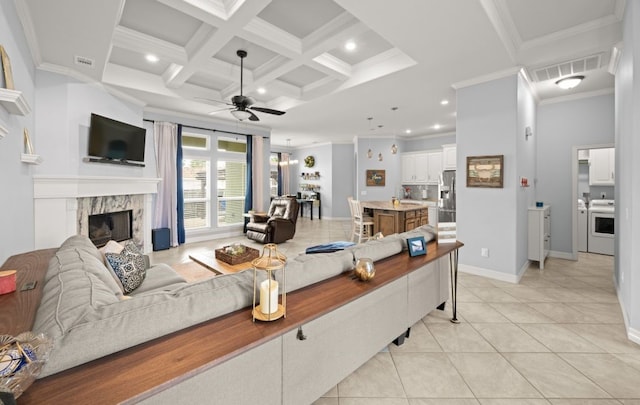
pixel 129 266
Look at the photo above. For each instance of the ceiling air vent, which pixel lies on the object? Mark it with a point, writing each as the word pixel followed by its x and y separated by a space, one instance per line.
pixel 83 61
pixel 572 67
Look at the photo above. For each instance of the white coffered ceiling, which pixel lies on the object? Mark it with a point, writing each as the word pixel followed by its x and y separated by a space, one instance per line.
pixel 410 54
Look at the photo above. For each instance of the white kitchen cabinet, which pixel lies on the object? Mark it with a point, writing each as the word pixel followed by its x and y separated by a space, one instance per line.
pixel 539 234
pixel 414 168
pixel 449 155
pixel 602 167
pixel 434 166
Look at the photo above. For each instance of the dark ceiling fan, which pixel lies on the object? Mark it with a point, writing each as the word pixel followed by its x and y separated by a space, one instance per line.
pixel 243 105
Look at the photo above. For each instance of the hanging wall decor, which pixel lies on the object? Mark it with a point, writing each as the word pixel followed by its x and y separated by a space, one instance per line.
pixel 485 171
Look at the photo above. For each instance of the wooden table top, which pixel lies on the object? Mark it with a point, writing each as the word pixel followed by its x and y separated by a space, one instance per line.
pixel 209 261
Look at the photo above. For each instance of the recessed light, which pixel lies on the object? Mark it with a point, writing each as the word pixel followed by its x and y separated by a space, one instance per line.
pixel 350 46
pixel 569 82
pixel 444 102
pixel 407 131
pixel 437 126
pixel 152 58
pixel 261 90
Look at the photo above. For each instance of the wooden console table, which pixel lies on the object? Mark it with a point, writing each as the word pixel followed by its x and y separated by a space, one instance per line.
pixel 137 373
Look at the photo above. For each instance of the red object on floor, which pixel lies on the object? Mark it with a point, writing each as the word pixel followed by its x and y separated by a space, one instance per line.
pixel 7 281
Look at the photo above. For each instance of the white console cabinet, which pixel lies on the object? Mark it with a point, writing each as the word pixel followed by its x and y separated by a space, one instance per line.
pixel 539 233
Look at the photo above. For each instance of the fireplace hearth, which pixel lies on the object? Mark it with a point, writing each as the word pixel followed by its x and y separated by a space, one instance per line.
pixel 110 226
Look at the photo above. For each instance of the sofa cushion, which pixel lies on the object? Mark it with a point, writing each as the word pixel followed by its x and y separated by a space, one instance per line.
pixel 129 266
pixel 159 277
pixel 124 323
pixel 74 258
pixel 380 248
pixel 305 270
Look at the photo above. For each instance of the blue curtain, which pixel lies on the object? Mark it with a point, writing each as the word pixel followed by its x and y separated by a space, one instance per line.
pixel 180 190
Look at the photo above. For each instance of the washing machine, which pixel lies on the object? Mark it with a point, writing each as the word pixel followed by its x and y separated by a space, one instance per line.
pixel 601 227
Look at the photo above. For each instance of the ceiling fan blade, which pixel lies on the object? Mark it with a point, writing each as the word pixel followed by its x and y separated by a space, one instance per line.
pixel 268 110
pixel 219 111
pixel 212 100
pixel 252 117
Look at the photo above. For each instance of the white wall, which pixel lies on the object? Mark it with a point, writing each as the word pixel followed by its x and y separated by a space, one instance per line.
pixel 16 197
pixel 560 127
pixel 627 103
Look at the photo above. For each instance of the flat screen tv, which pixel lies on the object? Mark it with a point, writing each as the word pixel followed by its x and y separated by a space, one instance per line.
pixel 114 140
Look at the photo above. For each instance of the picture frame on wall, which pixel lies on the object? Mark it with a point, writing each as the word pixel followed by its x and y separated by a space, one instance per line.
pixel 485 171
pixel 375 178
pixel 417 246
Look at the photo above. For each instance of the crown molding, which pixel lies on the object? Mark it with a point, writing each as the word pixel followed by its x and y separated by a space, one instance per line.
pixel 24 15
pixel 487 78
pixel 577 96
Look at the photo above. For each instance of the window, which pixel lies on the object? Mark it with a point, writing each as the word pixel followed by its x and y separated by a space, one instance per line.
pixel 274 162
pixel 196 186
pixel 195 141
pixel 232 176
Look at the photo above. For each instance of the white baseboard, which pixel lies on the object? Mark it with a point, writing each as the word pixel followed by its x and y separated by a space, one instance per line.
pixel 632 334
pixel 205 236
pixel 496 275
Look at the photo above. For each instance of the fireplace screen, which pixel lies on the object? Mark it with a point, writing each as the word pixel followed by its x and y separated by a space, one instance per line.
pixel 110 226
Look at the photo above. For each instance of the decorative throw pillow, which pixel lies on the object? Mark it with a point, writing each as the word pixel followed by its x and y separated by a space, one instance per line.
pixel 129 266
pixel 112 247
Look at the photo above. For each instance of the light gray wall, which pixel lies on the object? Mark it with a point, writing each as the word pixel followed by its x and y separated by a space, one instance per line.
pixel 486 124
pixel 525 167
pixel 627 102
pixel 323 155
pixel 560 127
pixel 390 164
pixel 16 197
pixel 343 171
pixel 64 114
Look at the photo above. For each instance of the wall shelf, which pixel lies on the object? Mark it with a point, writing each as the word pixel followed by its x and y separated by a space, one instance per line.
pixel 31 159
pixel 14 102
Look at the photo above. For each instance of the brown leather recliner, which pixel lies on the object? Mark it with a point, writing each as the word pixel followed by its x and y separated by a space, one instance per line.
pixel 278 225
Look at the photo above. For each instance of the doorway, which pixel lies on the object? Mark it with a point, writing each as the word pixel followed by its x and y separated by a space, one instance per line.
pixel 589 183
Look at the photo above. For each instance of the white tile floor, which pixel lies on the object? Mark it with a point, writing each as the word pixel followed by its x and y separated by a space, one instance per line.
pixel 558 337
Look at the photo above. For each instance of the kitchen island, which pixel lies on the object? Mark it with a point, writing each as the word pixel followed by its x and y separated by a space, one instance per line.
pixel 389 218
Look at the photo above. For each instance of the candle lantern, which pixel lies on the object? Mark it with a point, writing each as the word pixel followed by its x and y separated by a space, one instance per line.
pixel 269 308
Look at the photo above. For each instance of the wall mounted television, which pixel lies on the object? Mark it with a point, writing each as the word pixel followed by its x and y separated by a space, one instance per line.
pixel 112 141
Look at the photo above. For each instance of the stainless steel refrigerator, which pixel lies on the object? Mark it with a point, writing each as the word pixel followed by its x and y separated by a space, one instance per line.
pixel 447 201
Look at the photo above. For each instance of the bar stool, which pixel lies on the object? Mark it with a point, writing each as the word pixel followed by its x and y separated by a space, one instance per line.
pixel 361 225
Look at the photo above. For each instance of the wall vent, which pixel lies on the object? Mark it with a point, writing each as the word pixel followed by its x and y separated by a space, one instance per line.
pixel 554 72
pixel 83 61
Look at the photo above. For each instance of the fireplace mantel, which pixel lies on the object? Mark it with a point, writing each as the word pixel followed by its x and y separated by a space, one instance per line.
pixel 91 186
pixel 56 203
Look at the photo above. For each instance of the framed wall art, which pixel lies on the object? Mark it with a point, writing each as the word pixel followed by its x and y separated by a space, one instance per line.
pixel 375 178
pixel 485 171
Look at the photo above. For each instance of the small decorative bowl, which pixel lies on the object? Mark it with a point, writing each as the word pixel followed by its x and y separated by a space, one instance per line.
pixel 365 269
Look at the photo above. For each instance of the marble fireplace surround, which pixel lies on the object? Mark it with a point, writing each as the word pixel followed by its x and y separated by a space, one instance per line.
pixel 62 205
